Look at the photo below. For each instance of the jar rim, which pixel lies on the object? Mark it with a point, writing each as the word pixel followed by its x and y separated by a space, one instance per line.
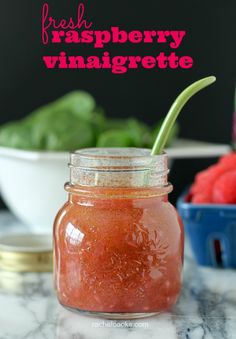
pixel 115 157
pixel 116 152
pixel 118 167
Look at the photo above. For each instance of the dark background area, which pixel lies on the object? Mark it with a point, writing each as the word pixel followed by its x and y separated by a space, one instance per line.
pixel 147 94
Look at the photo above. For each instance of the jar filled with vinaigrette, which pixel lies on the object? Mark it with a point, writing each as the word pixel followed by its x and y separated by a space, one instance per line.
pixel 118 242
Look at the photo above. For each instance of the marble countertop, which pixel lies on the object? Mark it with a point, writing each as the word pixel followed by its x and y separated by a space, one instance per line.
pixel 29 309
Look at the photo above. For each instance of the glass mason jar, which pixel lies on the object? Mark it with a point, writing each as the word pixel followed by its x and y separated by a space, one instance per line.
pixel 118 242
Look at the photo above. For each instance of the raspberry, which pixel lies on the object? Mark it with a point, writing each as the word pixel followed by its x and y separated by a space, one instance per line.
pixel 194 189
pixel 224 189
pixel 204 180
pixel 200 176
pixel 228 160
pixel 202 189
pixel 201 198
pixel 210 174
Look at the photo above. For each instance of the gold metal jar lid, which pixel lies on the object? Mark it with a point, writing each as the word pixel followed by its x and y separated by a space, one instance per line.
pixel 26 253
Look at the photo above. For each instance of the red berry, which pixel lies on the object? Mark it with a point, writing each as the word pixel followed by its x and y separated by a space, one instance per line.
pixel 194 189
pixel 228 160
pixel 201 198
pixel 224 189
pixel 202 189
pixel 204 180
pixel 210 174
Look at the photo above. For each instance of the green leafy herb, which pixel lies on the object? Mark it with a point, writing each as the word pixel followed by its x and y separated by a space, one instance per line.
pixel 72 122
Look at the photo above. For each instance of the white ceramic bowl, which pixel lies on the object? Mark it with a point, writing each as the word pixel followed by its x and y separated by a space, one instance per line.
pixel 32 185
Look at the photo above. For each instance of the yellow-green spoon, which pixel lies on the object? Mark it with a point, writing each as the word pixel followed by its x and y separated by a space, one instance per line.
pixel 174 111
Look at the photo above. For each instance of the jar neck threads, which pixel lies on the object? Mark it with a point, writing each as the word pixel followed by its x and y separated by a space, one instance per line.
pixel 118 167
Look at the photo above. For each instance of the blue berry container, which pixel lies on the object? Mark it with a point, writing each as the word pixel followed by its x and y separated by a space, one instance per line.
pixel 211 229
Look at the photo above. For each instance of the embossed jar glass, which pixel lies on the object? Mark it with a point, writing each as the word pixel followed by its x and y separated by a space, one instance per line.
pixel 118 242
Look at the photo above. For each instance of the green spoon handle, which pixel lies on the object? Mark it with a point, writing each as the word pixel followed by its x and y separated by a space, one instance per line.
pixel 174 111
